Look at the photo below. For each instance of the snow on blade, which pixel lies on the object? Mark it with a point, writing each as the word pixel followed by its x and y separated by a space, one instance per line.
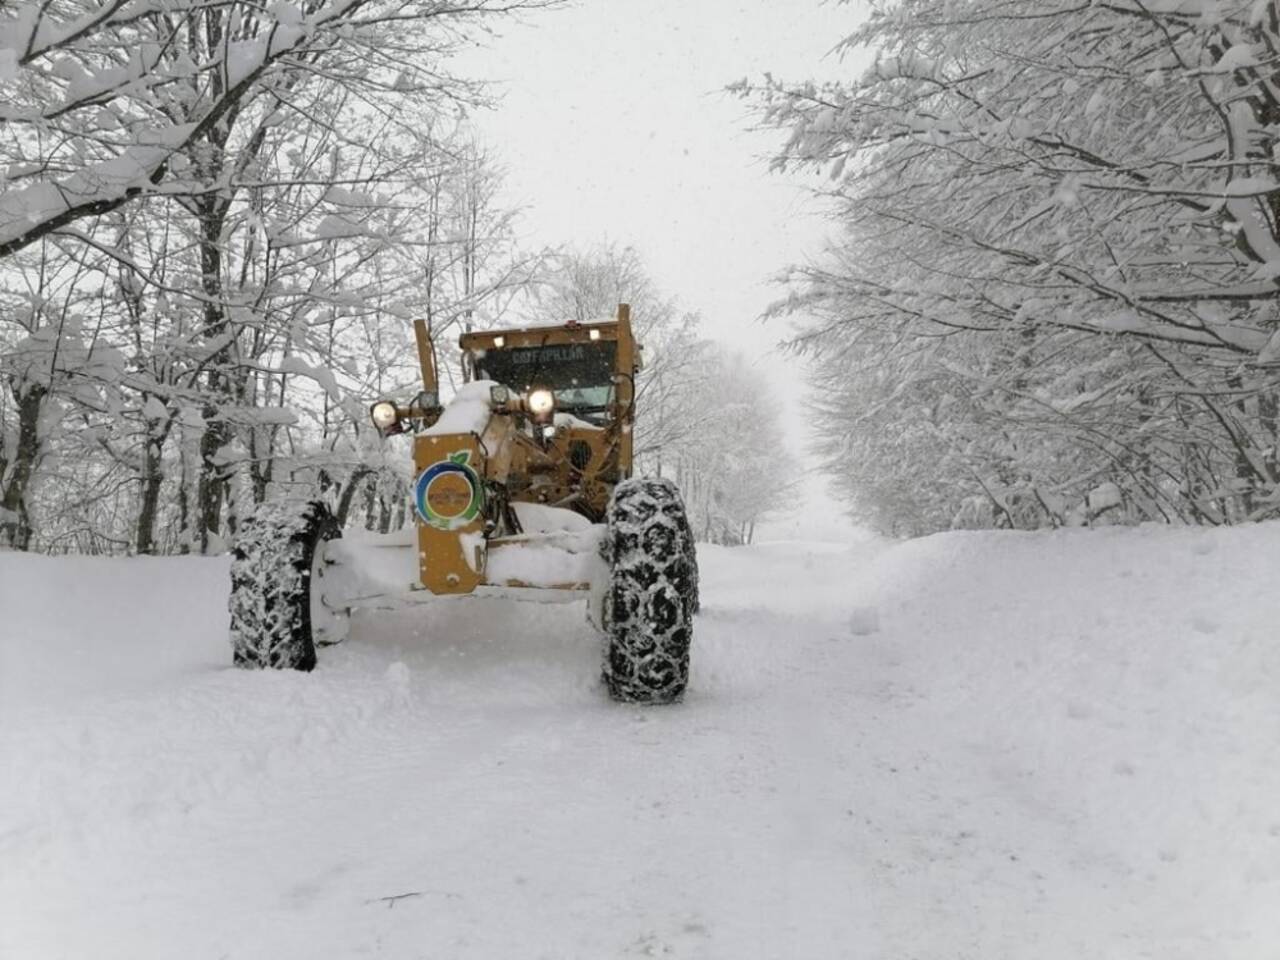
pixel 564 558
pixel 540 518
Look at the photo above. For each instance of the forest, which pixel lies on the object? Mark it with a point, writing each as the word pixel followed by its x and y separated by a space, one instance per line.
pixel 1048 295
pixel 217 224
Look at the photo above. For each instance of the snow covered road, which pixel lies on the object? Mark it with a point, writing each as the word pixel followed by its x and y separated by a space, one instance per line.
pixel 1058 745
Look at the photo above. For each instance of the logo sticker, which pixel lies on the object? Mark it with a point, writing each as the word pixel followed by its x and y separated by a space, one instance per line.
pixel 448 494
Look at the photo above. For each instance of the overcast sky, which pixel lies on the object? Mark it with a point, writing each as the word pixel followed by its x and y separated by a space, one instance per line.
pixel 613 125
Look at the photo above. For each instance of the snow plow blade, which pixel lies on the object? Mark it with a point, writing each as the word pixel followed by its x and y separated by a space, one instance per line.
pixel 380 568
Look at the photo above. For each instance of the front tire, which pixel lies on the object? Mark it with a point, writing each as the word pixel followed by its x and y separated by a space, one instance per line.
pixel 651 594
pixel 276 554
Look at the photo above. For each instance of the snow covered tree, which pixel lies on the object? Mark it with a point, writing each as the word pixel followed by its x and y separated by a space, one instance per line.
pixel 238 193
pixel 1062 224
pixel 734 464
pixel 107 102
pixel 47 350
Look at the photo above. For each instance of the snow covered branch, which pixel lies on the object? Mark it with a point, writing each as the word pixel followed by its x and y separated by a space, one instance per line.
pixel 1040 192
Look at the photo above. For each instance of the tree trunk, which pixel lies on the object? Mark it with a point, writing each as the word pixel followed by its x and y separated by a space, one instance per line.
pixel 370 505
pixel 348 494
pixel 1269 418
pixel 15 523
pixel 152 478
pixel 214 475
pixel 152 481
pixel 261 461
pixel 1245 472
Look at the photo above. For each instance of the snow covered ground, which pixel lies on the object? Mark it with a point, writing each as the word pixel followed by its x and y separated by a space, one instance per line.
pixel 976 745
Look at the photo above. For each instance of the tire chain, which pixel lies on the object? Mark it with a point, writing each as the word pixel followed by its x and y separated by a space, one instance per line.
pixel 270 585
pixel 652 593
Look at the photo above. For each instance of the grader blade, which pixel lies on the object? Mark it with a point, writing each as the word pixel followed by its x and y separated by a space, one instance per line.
pixel 449 499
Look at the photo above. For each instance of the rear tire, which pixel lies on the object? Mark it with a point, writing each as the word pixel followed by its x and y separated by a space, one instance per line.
pixel 276 551
pixel 651 594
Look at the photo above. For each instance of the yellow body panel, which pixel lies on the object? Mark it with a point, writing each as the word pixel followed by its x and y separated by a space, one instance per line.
pixel 450 545
pixel 452 470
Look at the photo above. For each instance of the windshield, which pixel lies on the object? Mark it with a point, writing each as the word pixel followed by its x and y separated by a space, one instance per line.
pixel 580 374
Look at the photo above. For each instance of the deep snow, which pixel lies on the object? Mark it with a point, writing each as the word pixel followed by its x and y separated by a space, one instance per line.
pixel 975 745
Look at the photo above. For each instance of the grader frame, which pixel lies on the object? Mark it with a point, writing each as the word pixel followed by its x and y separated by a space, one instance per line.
pixel 564 461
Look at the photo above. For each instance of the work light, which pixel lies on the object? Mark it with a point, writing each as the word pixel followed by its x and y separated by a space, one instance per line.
pixel 384 415
pixel 541 403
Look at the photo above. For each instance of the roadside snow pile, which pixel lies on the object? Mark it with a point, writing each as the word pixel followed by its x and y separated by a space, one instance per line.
pixel 1055 745
pixel 82 628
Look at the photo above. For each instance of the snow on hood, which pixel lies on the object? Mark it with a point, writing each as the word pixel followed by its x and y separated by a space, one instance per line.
pixel 467 412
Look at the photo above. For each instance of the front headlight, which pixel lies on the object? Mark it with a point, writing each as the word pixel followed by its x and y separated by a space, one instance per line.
pixel 384 415
pixel 541 403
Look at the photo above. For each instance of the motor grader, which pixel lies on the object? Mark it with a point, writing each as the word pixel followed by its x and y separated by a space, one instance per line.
pixel 522 484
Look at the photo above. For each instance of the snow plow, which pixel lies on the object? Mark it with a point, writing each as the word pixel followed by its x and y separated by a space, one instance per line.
pixel 522 485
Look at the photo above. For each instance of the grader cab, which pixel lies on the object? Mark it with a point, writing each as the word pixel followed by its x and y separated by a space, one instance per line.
pixel 521 482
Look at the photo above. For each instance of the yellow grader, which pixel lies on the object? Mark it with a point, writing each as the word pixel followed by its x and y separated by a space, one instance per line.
pixel 522 482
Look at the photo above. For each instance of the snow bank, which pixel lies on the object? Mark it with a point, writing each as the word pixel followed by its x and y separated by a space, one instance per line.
pixel 78 628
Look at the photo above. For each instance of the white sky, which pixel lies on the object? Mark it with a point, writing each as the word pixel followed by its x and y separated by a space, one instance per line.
pixel 614 126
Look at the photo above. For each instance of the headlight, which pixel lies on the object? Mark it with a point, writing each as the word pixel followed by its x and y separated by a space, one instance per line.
pixel 384 416
pixel 541 403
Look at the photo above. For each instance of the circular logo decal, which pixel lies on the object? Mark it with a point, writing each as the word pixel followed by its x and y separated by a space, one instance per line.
pixel 448 494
